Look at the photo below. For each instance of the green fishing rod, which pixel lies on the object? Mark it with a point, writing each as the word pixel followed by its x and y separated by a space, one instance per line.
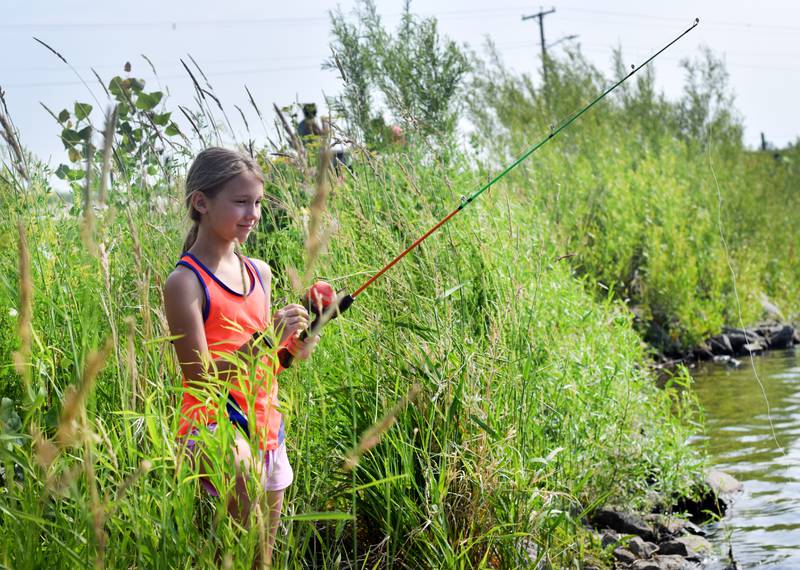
pixel 321 299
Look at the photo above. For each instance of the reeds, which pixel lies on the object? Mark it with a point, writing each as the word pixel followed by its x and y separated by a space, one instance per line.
pixel 470 404
pixel 372 436
pixel 9 134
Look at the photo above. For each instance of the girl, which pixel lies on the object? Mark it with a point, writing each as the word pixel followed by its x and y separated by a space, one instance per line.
pixel 217 304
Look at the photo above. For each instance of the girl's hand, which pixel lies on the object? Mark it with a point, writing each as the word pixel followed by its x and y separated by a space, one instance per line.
pixel 290 320
pixel 302 350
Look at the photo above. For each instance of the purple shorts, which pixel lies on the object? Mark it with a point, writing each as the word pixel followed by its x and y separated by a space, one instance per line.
pixel 277 468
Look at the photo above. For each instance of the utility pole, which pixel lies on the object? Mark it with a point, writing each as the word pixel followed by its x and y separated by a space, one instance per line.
pixel 541 16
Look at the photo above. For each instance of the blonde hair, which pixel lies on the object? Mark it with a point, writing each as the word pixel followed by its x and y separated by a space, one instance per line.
pixel 211 170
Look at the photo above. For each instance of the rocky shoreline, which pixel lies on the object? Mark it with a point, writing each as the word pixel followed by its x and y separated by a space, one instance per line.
pixel 658 541
pixel 732 344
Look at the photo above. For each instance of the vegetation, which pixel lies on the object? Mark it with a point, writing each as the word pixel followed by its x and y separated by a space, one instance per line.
pixel 657 201
pixel 470 409
pixel 414 74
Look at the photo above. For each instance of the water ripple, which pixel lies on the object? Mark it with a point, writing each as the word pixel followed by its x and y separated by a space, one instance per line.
pixel 763 525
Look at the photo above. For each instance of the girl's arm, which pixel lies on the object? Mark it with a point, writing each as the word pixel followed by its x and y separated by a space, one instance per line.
pixel 183 304
pixel 289 320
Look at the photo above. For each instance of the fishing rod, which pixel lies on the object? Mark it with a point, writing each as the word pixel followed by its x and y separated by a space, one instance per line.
pixel 321 299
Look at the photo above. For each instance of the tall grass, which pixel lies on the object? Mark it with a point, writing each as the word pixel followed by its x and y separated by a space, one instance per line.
pixel 534 405
pixel 644 189
pixel 468 411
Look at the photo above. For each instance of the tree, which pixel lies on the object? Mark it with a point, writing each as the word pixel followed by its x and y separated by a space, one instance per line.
pixel 415 72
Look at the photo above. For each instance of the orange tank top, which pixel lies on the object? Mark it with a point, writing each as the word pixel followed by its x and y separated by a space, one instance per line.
pixel 231 319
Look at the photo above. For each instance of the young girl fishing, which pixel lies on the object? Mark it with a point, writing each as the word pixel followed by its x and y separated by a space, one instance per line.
pixel 217 304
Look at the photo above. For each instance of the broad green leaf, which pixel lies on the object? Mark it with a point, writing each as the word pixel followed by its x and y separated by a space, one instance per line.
pixel 116 86
pixel 72 174
pixel 172 130
pixel 63 116
pixel 161 119
pixel 70 138
pixel 61 171
pixel 147 101
pixel 82 110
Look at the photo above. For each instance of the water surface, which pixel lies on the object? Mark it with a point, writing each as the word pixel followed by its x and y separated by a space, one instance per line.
pixel 763 527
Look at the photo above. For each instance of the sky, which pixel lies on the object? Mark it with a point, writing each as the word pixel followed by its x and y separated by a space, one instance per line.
pixel 276 49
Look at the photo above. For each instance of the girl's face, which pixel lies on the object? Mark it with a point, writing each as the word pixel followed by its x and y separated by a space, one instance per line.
pixel 235 210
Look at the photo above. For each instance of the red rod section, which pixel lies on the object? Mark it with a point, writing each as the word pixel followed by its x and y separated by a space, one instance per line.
pixel 409 248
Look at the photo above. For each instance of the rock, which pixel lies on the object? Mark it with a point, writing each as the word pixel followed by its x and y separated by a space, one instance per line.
pixel 722 483
pixel 718 493
pixel 665 526
pixel 695 544
pixel 782 337
pixel 720 345
pixel 646 565
pixel 738 339
pixel 702 352
pixel 608 537
pixel 797 336
pixel 625 523
pixel 754 348
pixel 733 363
pixel 745 341
pixel 640 548
pixel 673 547
pixel 691 528
pixel 721 358
pixel 624 556
pixel 670 562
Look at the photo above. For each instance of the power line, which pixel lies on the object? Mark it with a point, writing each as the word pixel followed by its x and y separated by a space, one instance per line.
pixel 172 76
pixel 482 12
pixel 117 67
pixel 588 47
pixel 706 22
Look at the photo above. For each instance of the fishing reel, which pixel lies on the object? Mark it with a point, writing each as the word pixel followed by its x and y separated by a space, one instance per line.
pixel 322 301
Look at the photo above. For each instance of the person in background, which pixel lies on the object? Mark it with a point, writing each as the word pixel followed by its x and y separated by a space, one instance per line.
pixel 308 129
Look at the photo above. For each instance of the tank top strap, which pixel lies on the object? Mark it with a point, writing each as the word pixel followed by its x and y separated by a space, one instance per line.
pixel 256 272
pixel 188 261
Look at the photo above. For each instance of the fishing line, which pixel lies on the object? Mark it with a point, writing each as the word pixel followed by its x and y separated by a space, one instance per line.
pixel 465 201
pixel 326 311
pixel 736 293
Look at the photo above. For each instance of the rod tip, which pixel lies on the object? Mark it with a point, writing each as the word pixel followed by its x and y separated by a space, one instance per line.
pixel 696 21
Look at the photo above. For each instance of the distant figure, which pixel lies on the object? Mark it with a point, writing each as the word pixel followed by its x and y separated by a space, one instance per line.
pixel 397 136
pixel 339 156
pixel 308 127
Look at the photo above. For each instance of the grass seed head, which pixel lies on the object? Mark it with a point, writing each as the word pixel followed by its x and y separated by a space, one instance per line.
pixel 75 398
pixel 25 313
pixel 372 435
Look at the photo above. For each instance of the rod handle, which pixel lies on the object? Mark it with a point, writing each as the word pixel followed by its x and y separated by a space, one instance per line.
pixel 320 320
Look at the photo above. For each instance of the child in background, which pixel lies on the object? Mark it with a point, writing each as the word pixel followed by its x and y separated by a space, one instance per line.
pixel 218 302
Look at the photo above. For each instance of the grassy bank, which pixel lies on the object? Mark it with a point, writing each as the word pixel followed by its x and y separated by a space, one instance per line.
pixel 501 362
pixel 659 200
pixel 534 404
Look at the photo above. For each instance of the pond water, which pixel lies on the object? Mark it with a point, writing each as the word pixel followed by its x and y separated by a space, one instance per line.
pixel 763 526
